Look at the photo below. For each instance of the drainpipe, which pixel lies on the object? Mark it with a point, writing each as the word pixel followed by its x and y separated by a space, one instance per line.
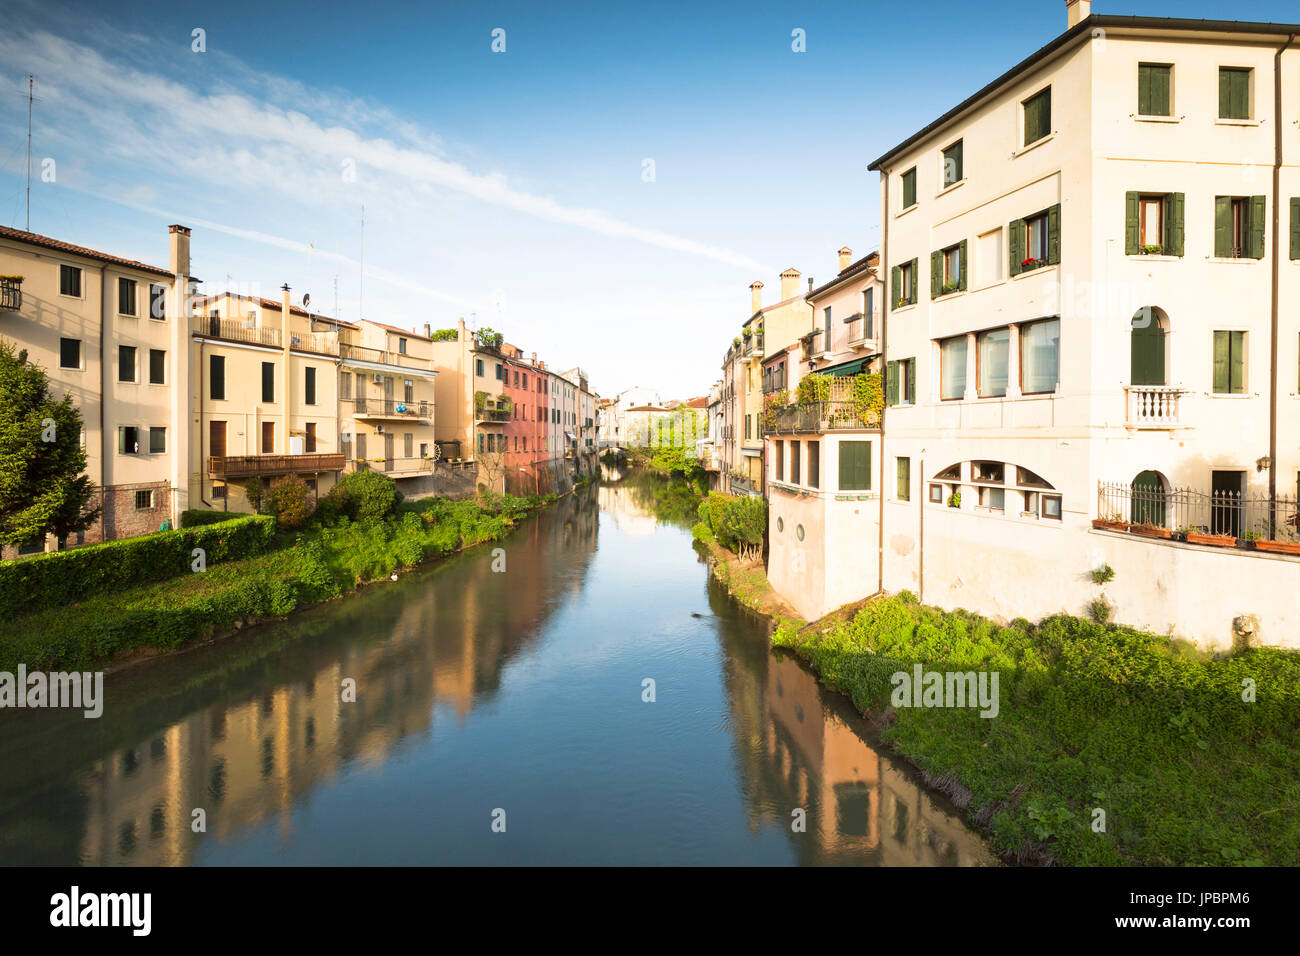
pixel 1277 265
pixel 920 547
pixel 884 365
pixel 202 480
pixel 104 444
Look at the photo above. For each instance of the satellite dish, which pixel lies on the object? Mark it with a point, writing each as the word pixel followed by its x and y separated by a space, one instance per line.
pixel 306 300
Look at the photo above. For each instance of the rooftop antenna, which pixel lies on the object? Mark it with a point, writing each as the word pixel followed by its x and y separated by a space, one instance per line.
pixel 31 84
pixel 336 295
pixel 361 289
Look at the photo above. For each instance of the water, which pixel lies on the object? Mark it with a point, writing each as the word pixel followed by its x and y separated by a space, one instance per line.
pixel 481 696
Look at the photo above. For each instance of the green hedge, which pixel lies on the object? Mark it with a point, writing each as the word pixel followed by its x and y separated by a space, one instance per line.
pixel 196 517
pixel 66 577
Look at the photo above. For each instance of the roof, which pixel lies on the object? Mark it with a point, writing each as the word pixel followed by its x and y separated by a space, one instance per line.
pixel 698 403
pixel 46 242
pixel 393 328
pixel 862 265
pixel 202 300
pixel 1082 29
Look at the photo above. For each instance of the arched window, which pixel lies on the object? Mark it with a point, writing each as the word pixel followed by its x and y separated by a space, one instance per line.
pixel 1150 325
pixel 1149 499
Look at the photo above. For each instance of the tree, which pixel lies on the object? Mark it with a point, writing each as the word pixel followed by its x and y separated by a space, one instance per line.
pixel 291 502
pixel 44 488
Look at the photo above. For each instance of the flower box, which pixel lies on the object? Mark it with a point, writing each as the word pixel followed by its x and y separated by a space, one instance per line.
pixel 1216 540
pixel 1108 525
pixel 1278 547
pixel 1150 532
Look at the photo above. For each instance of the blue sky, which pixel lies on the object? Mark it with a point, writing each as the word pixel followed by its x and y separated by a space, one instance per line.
pixel 506 188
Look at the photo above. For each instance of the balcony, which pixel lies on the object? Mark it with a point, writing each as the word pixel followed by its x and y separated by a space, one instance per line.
pixel 388 409
pixel 1218 518
pixel 249 466
pixel 1154 406
pixel 832 403
pixel 493 416
pixel 11 293
pixel 394 467
pixel 362 353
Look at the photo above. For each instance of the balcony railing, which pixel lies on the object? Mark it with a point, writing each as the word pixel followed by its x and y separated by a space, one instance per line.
pixel 1154 406
pixel 816 417
pixel 1187 510
pixel 366 354
pixel 11 295
pixel 493 415
pixel 398 466
pixel 391 408
pixel 244 466
pixel 237 330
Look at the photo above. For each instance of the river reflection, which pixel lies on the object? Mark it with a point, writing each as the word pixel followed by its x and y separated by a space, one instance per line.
pixel 478 689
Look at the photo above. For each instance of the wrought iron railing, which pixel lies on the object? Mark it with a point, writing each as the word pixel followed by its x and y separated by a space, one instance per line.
pixel 1186 509
pixel 11 295
pixel 390 408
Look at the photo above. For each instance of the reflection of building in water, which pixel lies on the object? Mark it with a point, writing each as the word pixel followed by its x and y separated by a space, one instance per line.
pixel 858 803
pixel 441 640
pixel 632 512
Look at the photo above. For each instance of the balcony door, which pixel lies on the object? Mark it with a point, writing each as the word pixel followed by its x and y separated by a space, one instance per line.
pixel 1149 500
pixel 388 447
pixel 268 438
pixel 1226 488
pixel 217 439
pixel 310 442
pixel 361 394
pixel 361 446
pixel 1148 348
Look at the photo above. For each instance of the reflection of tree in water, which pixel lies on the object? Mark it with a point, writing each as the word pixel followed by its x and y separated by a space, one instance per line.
pixel 674 501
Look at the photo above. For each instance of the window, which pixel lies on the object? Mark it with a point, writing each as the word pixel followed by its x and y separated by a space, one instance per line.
pixel 525 385
pixel 126 363
pixel 814 464
pixel 478 370
pixel 1153 223
pixel 778 451
pixel 747 428
pixel 948 270
pixel 157 301
pixel 217 376
pixel 794 461
pixel 408 390
pixel 1035 240
pixel 1154 85
pixel 909 188
pixel 1234 93
pixel 952 368
pixel 826 335
pixel 268 382
pixel 128 440
pixel 1295 228
pixel 70 353
pixel 936 494
pixel 993 498
pixel 869 307
pixel 401 347
pixel 1049 506
pixel 952 164
pixel 70 281
pixel 904 491
pixel 855 466
pixel 157 367
pixel 408 445
pixel 1239 227
pixel 904 284
pixel 1229 363
pixel 988 257
pixel 900 382
pixel 218 491
pixel 993 472
pixel 992 358
pixel 126 296
pixel 500 373
pixel 143 500
pixel 268 438
pixel 157 441
pixel 1040 355
pixel 1038 116
pixel 309 437
pixel 309 383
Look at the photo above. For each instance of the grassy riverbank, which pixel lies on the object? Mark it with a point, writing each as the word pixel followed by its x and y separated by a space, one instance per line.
pixel 1092 717
pixel 330 555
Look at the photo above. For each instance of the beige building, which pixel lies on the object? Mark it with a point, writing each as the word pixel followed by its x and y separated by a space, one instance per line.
pixel 111 333
pixel 1112 232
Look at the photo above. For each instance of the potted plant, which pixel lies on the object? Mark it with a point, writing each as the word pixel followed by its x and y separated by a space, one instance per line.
pixel 954 500
pixel 1150 529
pixel 1151 250
pixel 1277 547
pixel 949 287
pixel 1111 521
pixel 747 332
pixel 1203 536
pixel 1030 263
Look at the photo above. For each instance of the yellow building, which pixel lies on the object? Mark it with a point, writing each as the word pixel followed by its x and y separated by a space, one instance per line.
pixel 111 333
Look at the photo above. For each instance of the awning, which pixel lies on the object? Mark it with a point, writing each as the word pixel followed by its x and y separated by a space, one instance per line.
pixel 846 368
pixel 572 437
pixel 752 452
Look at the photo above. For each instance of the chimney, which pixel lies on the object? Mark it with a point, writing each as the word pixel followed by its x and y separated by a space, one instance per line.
pixel 428 331
pixel 810 283
pixel 846 256
pixel 755 295
pixel 180 250
pixel 789 283
pixel 1076 11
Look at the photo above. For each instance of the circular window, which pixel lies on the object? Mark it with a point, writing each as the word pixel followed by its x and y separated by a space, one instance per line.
pixel 798 532
pixel 780 524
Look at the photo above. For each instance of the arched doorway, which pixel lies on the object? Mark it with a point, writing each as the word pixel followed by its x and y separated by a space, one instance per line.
pixel 1149 499
pixel 1149 326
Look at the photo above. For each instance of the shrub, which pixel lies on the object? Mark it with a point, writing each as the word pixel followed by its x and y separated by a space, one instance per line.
pixel 67 577
pixel 290 501
pixel 368 495
pixel 1103 574
pixel 194 517
pixel 738 522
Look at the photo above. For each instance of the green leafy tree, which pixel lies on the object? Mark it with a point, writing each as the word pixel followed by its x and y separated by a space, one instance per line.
pixel 43 483
pixel 291 502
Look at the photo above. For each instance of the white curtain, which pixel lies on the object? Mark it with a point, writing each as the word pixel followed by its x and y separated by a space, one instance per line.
pixel 994 355
pixel 1040 354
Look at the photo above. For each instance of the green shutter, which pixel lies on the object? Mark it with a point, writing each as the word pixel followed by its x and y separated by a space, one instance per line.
pixel 1222 382
pixel 904 491
pixel 1236 362
pixel 915 264
pixel 891 383
pixel 1147 361
pixel 1255 233
pixel 961 265
pixel 1223 227
pixel 1161 101
pixel 1225 93
pixel 952 167
pixel 1054 235
pixel 911 380
pixel 1132 234
pixel 1144 92
pixel 1295 228
pixel 1241 94
pixel 1016 245
pixel 1174 216
pixel 936 274
pixel 895 282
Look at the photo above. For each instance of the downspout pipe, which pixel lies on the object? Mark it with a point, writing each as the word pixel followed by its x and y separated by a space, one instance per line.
pixel 1276 279
pixel 884 367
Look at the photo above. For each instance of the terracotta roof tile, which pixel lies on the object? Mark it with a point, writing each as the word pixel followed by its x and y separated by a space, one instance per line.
pixel 48 243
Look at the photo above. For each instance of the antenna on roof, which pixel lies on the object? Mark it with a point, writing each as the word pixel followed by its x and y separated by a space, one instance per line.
pixel 362 288
pixel 31 83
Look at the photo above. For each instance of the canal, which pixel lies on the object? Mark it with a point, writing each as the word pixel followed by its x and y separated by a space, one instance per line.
pixel 483 694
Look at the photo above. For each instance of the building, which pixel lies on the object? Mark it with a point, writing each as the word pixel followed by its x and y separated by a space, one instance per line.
pixel 111 333
pixel 472 400
pixel 1112 229
pixel 586 443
